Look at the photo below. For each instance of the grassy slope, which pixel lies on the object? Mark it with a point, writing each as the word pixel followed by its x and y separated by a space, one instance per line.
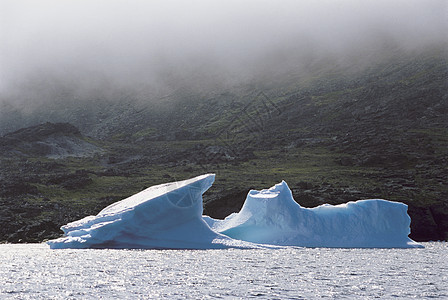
pixel 333 137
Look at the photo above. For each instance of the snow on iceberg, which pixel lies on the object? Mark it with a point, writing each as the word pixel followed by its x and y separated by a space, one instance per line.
pixel 166 216
pixel 273 217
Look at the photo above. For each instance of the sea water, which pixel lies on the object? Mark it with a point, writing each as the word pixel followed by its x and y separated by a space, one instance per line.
pixel 33 271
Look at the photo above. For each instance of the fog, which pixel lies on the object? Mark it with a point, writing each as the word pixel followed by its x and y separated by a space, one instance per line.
pixel 90 49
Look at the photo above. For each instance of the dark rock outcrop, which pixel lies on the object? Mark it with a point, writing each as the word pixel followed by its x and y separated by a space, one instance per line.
pixel 52 140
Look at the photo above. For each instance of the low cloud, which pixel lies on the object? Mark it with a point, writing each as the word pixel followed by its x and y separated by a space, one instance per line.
pixel 52 50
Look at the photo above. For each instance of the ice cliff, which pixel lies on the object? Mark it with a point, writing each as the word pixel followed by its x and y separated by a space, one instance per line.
pixel 169 216
pixel 272 216
pixel 166 216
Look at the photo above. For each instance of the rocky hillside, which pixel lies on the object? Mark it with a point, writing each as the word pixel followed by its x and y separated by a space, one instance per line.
pixel 335 134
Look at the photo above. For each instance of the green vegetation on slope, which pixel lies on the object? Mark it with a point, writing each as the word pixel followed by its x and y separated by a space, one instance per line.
pixel 333 137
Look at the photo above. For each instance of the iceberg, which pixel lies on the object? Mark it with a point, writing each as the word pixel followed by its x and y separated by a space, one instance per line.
pixel 166 216
pixel 272 216
pixel 169 216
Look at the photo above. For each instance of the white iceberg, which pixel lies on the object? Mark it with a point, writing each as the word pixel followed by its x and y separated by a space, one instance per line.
pixel 169 216
pixel 166 216
pixel 273 217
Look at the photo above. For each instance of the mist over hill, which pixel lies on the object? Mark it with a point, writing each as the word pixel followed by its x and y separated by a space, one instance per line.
pixel 66 55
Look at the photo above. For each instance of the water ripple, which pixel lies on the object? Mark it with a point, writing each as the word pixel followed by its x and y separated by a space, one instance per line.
pixel 34 271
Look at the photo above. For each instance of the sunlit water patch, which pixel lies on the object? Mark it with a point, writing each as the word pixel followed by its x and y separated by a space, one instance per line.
pixel 33 271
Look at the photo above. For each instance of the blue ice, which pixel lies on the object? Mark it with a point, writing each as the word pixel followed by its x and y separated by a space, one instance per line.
pixel 169 216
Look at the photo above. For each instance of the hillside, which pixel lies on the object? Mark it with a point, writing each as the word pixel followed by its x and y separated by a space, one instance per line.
pixel 334 133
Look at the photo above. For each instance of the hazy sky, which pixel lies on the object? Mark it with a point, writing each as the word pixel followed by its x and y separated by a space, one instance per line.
pixel 90 45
